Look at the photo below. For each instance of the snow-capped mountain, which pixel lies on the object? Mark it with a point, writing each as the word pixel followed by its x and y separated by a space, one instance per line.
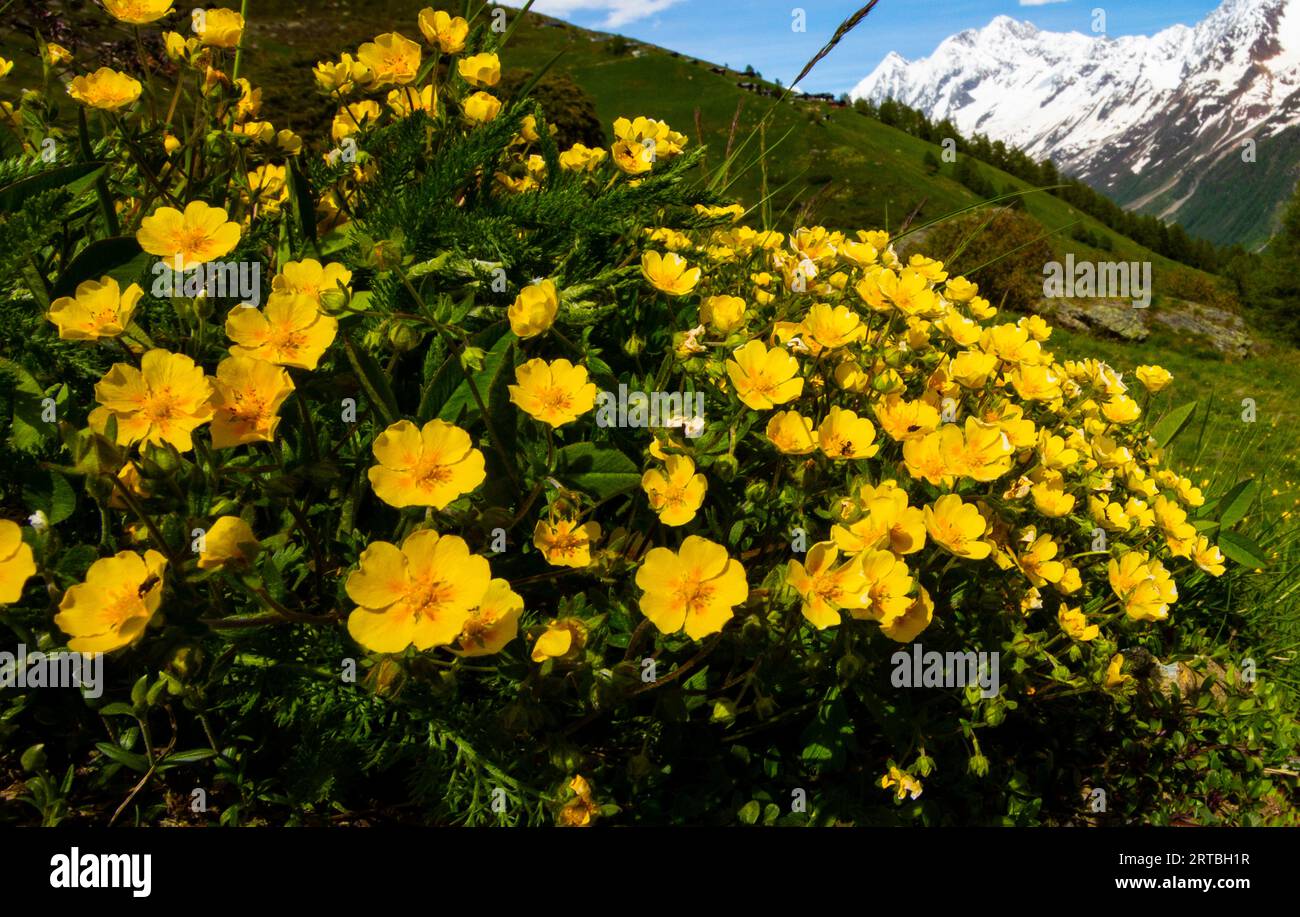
pixel 1156 121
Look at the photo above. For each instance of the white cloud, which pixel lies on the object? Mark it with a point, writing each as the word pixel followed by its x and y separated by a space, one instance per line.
pixel 618 12
pixel 1040 2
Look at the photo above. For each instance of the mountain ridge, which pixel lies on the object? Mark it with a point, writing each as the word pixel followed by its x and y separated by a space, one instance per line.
pixel 1145 119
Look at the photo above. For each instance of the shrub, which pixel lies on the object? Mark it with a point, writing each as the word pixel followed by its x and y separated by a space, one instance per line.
pixel 1004 250
pixel 538 488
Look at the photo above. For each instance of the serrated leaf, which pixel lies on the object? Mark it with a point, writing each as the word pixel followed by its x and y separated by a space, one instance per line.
pixel 595 471
pixel 1173 423
pixel 13 194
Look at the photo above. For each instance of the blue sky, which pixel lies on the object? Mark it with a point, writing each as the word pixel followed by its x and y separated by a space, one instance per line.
pixel 758 32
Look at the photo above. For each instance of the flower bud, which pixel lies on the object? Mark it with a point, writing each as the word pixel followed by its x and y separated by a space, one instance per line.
pixel 403 337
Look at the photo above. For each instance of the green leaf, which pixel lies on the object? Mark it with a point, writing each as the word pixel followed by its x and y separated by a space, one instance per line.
pixel 1173 423
pixel 51 493
pixel 749 812
pixel 120 257
pixel 373 380
pixel 28 429
pixel 193 756
pixel 116 709
pixel 15 193
pixel 1243 550
pixel 304 203
pixel 1237 503
pixel 595 471
pixel 462 397
pixel 136 762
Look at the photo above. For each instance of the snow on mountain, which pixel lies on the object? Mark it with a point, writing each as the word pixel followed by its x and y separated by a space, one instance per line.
pixel 1137 116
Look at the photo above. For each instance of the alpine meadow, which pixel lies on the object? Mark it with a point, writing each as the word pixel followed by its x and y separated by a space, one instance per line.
pixel 460 417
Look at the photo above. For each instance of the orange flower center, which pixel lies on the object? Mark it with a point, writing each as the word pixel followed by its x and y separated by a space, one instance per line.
pixel 695 595
pixel 555 400
pixel 430 472
pixel 191 243
pixel 567 544
pixel 160 407
pixel 286 340
pixel 428 596
pixel 246 408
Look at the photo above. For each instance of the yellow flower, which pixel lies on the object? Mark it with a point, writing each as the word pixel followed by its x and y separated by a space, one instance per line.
pixel 986 453
pixel 533 310
pixel 1154 378
pixel 290 331
pixel 5 67
pixel 113 606
pixel 888 583
pixel 101 309
pixel 1121 409
pixel 1050 498
pixel 1036 560
pixel 1075 623
pixel 566 543
pixel 352 118
pixel 247 401
pixel 1114 677
pixel 904 420
pixel 106 89
pixel 906 627
pixel 175 46
pixel 562 639
pixel 696 586
pixel 909 292
pixel 1036 383
pixel 581 158
pixel 229 541
pixel 493 624
pixel 579 812
pixel 669 273
pixel 480 70
pixel 481 107
pixel 138 12
pixel 56 55
pixel 937 457
pixel 723 313
pixel 667 142
pixel 1143 586
pixel 1208 556
pixel 833 327
pixel 959 289
pixel 957 527
pixel 197 236
pixel 266 188
pixel 632 157
pixel 392 58
pixel 792 433
pixel 310 278
pixel 420 594
pixel 446 31
pixel 906 783
pixel 677 492
pixel 826 588
pixel 845 435
pixel 162 402
pixel 555 393
pixel 407 100
pixel 764 378
pixel 887 522
pixel 429 466
pixel 220 28
pixel 17 564
pixel 343 76
pixel 972 368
